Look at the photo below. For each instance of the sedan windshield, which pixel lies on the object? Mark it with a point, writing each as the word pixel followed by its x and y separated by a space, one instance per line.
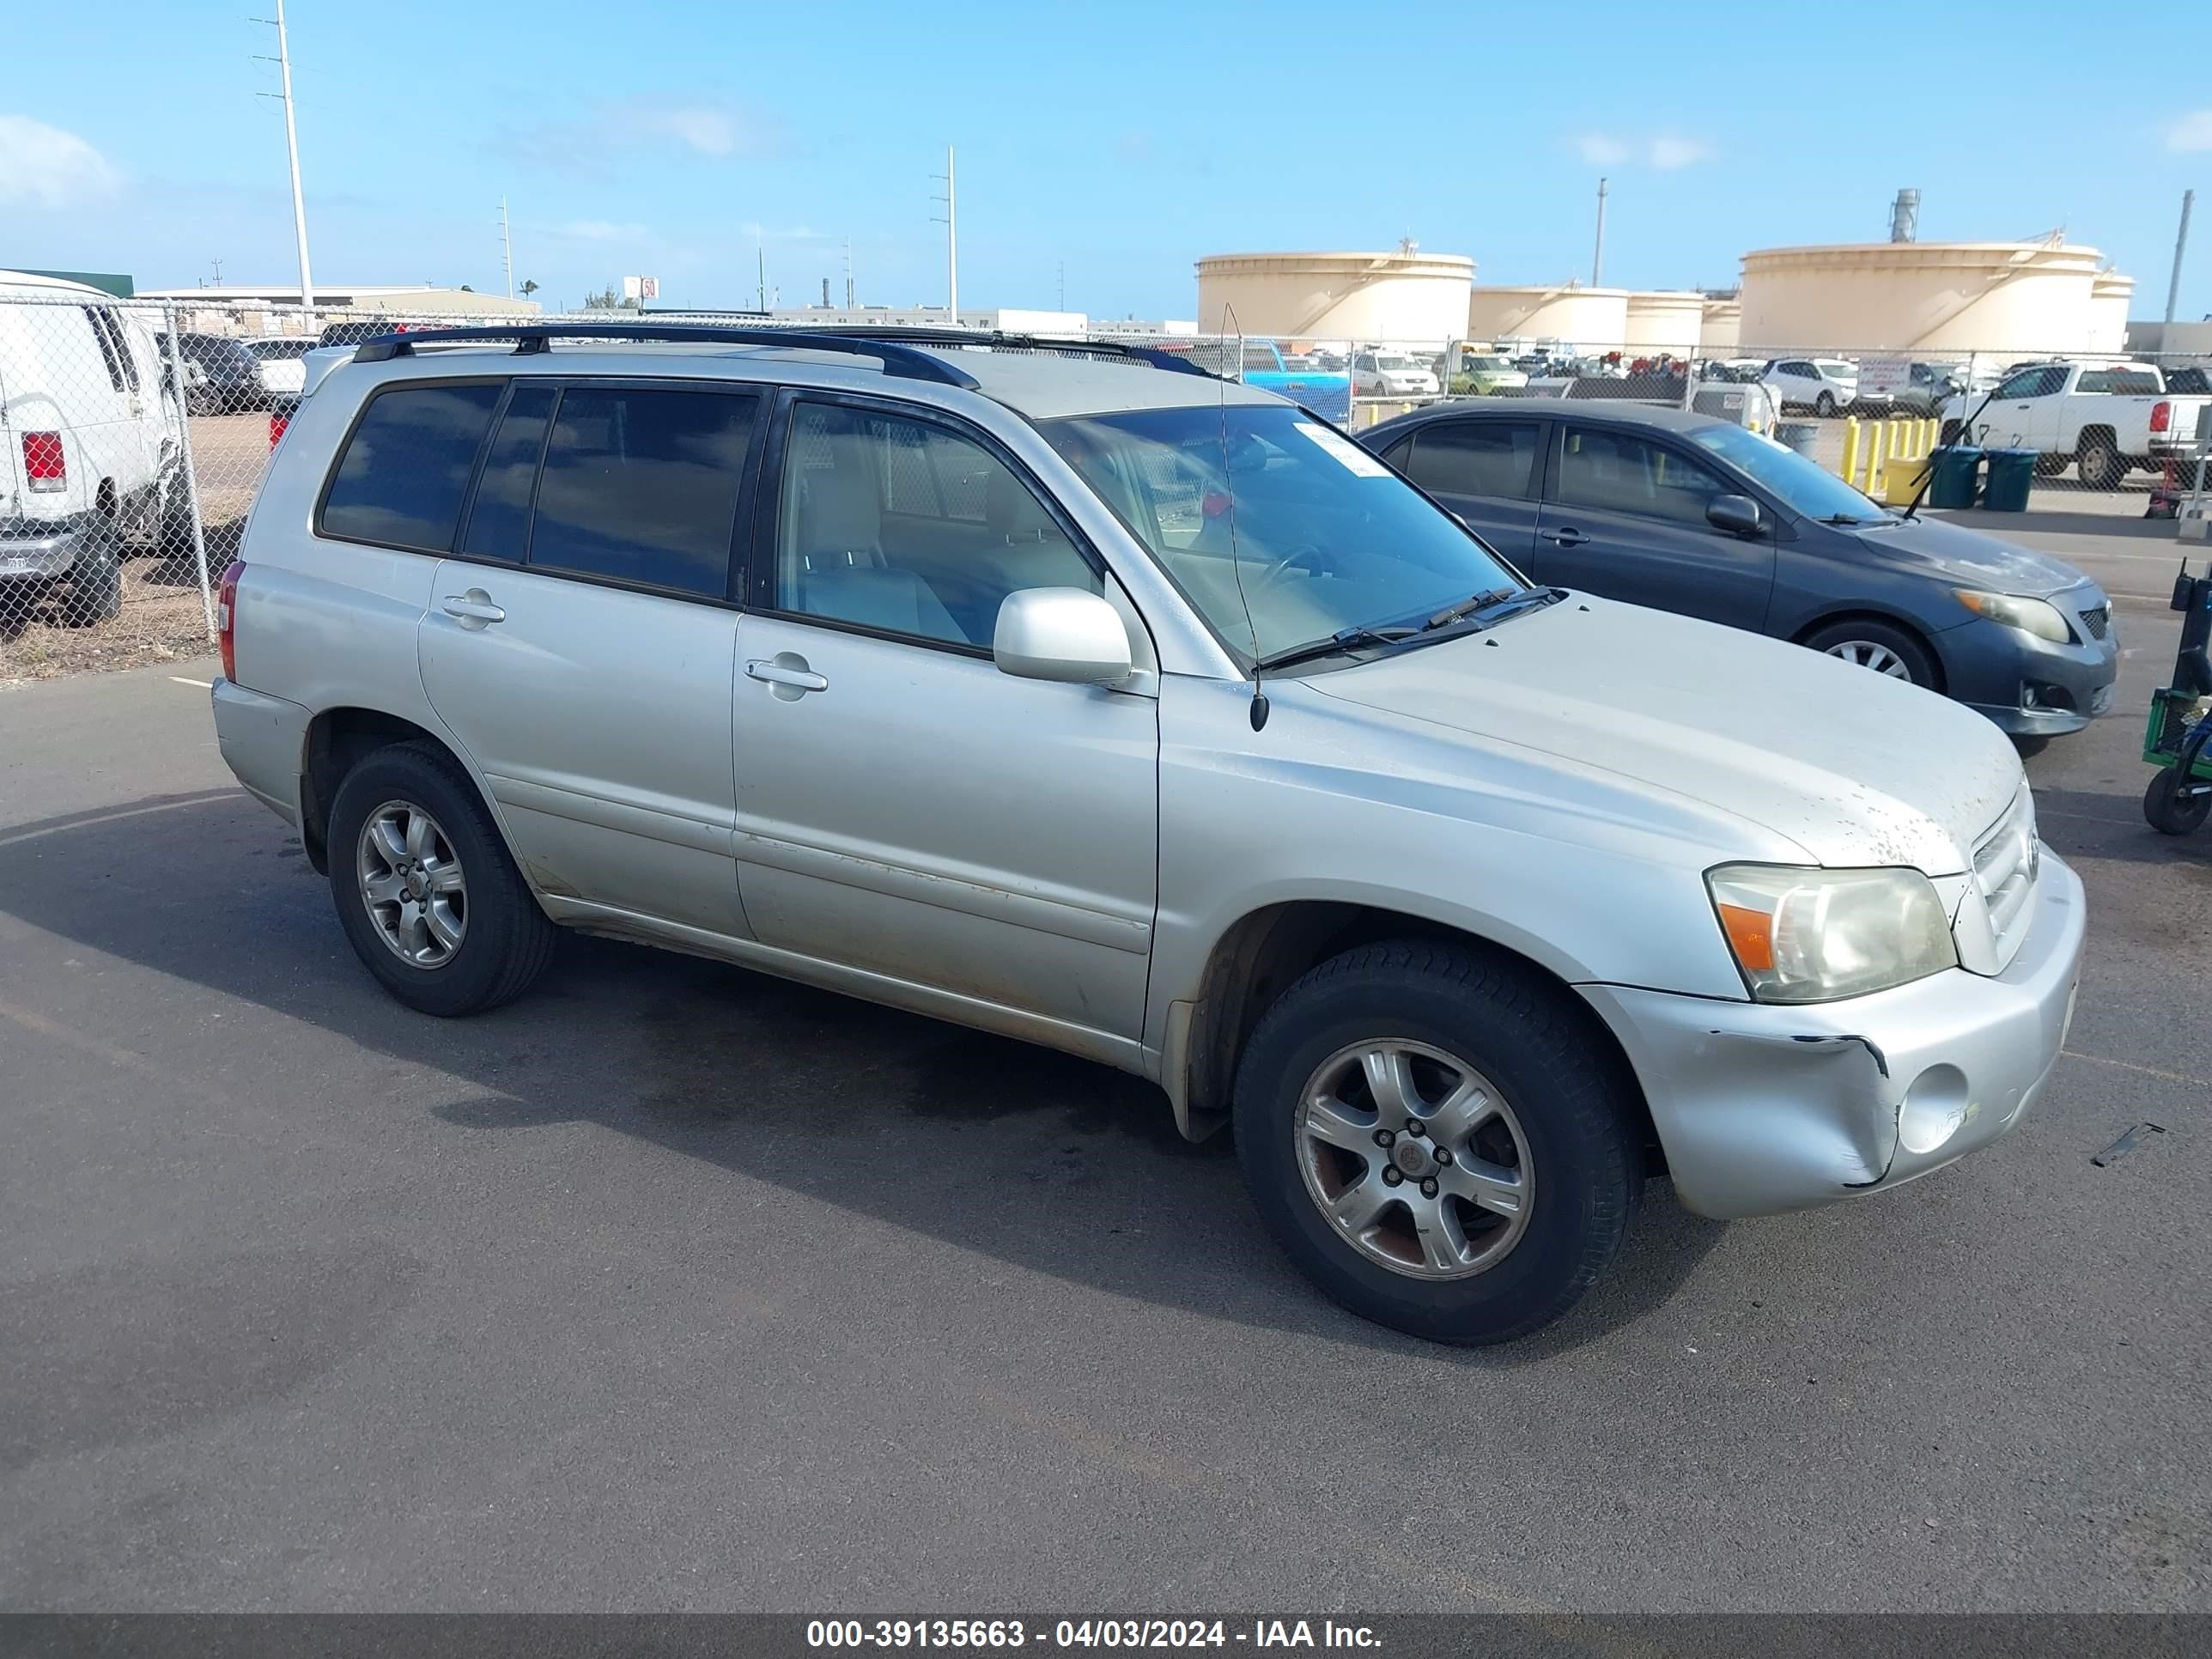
pixel 1804 486
pixel 1281 530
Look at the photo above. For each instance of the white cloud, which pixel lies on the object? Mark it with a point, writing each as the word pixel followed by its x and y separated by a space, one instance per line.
pixel 586 144
pixel 710 131
pixel 44 166
pixel 2192 131
pixel 1600 150
pixel 1669 152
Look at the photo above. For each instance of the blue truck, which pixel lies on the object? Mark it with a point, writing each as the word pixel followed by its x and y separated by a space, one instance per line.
pixel 1327 392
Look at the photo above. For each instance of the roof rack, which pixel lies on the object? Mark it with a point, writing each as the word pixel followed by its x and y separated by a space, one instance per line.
pixel 533 338
pixel 1154 356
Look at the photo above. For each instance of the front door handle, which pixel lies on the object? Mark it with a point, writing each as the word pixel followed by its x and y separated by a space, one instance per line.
pixel 473 608
pixel 1563 538
pixel 787 675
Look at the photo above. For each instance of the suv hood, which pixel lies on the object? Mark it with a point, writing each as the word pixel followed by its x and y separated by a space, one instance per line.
pixel 1856 768
pixel 1971 558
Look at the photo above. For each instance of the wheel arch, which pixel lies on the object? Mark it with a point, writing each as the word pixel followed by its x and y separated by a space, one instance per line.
pixel 1265 951
pixel 1862 611
pixel 337 740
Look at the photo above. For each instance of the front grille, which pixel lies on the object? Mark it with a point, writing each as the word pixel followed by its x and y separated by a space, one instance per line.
pixel 2097 618
pixel 2006 863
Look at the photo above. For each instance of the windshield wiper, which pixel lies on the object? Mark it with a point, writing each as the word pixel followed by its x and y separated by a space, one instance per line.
pixel 1495 606
pixel 1345 638
pixel 1845 518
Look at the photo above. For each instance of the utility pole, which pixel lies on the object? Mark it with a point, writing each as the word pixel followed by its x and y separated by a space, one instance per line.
pixel 218 273
pixel 951 223
pixel 1597 260
pixel 848 273
pixel 760 253
pixel 1063 285
pixel 2173 287
pixel 292 147
pixel 506 248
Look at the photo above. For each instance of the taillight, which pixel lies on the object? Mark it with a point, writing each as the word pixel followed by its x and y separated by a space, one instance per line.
pixel 2162 415
pixel 278 420
pixel 226 616
pixel 45 466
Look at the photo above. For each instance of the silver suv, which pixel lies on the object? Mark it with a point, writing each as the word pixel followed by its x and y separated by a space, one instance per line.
pixel 1076 694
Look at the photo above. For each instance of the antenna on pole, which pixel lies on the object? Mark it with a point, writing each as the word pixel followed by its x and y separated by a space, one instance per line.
pixel 283 62
pixel 506 248
pixel 760 254
pixel 848 273
pixel 951 223
pixel 1597 259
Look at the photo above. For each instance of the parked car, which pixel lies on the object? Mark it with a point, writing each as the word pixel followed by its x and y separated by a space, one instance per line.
pixel 1392 374
pixel 1485 372
pixel 1927 386
pixel 91 445
pixel 1826 385
pixel 1684 513
pixel 277 368
pixel 1326 392
pixel 2107 419
pixel 221 375
pixel 1142 715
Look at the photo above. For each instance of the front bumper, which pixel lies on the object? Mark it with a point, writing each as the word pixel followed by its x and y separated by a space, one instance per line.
pixel 41 548
pixel 263 741
pixel 1762 1108
pixel 2030 686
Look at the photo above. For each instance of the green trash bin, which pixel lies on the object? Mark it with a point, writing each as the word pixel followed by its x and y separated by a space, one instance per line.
pixel 2012 475
pixel 1958 471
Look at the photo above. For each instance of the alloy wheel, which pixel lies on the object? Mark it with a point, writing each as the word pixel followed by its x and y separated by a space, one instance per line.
pixel 412 884
pixel 1871 654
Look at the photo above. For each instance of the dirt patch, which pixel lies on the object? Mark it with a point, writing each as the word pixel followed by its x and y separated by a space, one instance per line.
pixel 162 620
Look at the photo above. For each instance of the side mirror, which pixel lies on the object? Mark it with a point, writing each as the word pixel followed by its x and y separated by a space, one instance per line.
pixel 1737 515
pixel 1065 634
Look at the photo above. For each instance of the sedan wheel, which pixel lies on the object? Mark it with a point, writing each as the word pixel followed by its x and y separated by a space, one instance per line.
pixel 1871 654
pixel 1414 1158
pixel 412 884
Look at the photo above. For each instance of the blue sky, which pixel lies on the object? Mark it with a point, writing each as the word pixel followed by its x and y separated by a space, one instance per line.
pixel 1123 141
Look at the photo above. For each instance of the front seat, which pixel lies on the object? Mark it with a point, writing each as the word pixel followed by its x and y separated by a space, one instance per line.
pixel 843 572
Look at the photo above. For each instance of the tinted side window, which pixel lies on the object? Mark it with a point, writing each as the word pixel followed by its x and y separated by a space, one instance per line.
pixel 1476 458
pixel 498 522
pixel 641 484
pixel 906 526
pixel 406 467
pixel 1621 473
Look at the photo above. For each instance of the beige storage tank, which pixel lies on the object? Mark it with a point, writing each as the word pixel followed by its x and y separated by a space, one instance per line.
pixel 2109 295
pixel 1719 328
pixel 1409 296
pixel 1665 320
pixel 2021 298
pixel 1555 311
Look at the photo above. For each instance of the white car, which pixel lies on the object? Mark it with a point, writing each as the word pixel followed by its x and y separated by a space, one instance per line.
pixel 91 443
pixel 277 362
pixel 1392 374
pixel 1826 385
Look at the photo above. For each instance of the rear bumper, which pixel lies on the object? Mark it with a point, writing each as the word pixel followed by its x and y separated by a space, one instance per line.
pixel 263 741
pixel 36 548
pixel 1762 1108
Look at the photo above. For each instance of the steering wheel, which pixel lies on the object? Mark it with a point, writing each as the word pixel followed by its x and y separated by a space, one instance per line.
pixel 1274 573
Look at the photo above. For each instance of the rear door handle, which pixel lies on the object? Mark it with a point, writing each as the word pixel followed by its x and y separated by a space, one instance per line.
pixel 788 673
pixel 1563 538
pixel 473 606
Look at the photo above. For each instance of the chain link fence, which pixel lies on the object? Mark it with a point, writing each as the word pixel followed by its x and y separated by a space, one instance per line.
pixel 133 435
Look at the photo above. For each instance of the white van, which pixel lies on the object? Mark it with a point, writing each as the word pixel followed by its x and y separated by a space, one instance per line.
pixel 91 442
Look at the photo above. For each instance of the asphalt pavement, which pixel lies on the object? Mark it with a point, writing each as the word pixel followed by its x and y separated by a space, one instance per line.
pixel 675 1287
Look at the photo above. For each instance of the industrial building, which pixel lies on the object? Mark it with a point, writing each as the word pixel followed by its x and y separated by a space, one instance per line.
pixel 275 307
pixel 1405 294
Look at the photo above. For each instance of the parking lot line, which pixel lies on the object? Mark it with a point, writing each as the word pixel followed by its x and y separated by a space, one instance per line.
pixel 2130 1066
pixel 205 685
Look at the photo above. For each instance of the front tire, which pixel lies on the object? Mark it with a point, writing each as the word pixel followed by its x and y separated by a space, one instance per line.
pixel 2101 465
pixel 1512 1170
pixel 1881 647
pixel 1825 406
pixel 426 891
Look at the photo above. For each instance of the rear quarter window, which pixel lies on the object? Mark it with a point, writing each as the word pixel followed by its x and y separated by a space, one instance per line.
pixel 401 477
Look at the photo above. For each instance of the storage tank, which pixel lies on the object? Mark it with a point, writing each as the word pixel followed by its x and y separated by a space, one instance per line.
pixel 1665 320
pixel 2022 298
pixel 1553 311
pixel 2109 296
pixel 1720 327
pixel 1407 295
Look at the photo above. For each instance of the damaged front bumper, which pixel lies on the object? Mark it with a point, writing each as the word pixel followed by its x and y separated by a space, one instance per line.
pixel 1762 1108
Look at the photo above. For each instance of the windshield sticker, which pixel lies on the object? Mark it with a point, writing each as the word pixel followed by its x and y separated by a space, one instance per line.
pixel 1343 449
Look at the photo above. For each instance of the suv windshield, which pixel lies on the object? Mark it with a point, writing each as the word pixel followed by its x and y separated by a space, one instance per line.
pixel 1803 486
pixel 1281 530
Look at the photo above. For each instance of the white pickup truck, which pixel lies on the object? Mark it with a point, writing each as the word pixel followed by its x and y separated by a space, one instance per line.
pixel 2107 418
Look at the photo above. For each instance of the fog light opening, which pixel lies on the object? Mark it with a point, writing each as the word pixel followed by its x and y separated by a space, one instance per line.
pixel 1935 1108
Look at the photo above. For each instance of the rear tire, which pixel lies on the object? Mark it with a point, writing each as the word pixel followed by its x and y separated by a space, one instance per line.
pixel 95 583
pixel 1552 1155
pixel 490 945
pixel 1825 406
pixel 1882 647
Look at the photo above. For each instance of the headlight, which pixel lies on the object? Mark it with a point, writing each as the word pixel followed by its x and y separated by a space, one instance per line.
pixel 2030 616
pixel 1816 935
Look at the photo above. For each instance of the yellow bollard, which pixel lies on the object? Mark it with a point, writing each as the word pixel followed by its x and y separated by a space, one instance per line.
pixel 1850 468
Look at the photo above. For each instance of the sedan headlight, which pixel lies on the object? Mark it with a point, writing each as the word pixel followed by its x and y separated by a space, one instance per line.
pixel 2035 617
pixel 1815 935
